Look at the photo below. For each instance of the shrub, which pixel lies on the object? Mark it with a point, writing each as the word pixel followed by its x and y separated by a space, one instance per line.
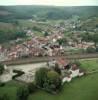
pixel 22 93
pixel 90 50
pixel 31 87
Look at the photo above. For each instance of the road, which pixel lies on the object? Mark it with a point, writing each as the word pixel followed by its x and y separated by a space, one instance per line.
pixel 45 59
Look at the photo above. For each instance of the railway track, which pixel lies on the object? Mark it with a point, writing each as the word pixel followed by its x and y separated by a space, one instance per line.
pixel 45 59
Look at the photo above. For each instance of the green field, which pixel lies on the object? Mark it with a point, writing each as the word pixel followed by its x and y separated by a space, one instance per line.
pixel 84 88
pixel 10 88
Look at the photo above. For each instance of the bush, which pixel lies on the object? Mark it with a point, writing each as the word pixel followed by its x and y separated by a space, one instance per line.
pixel 31 87
pixel 40 76
pixel 22 93
pixel 90 50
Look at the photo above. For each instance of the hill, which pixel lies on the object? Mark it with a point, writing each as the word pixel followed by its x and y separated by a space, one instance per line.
pixel 10 13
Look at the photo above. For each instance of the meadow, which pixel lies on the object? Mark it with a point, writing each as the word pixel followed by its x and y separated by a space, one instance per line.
pixel 84 88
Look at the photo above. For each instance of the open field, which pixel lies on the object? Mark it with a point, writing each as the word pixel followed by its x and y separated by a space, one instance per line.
pixel 10 89
pixel 85 88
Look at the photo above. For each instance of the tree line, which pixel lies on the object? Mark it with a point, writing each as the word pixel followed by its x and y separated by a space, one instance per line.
pixel 44 12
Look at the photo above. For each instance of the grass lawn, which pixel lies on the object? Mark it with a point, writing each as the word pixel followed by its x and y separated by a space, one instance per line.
pixel 90 64
pixel 10 88
pixel 84 88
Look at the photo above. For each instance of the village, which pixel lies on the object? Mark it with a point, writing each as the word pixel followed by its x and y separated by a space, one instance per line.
pixel 52 43
pixel 48 52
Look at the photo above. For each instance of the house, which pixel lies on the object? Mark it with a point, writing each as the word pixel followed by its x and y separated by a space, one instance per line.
pixel 66 79
pixel 29 33
pixel 62 62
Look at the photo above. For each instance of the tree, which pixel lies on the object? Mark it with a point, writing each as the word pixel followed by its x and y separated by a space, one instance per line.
pixel 97 49
pixel 91 37
pixel 22 93
pixel 46 33
pixel 48 80
pixel 86 37
pixel 15 22
pixel 53 82
pixel 40 76
pixel 91 50
pixel 4 97
pixel 31 87
pixel 13 34
pixel 95 39
pixel 1 68
pixel 62 41
pixel 75 40
pixel 36 28
pixel 57 69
